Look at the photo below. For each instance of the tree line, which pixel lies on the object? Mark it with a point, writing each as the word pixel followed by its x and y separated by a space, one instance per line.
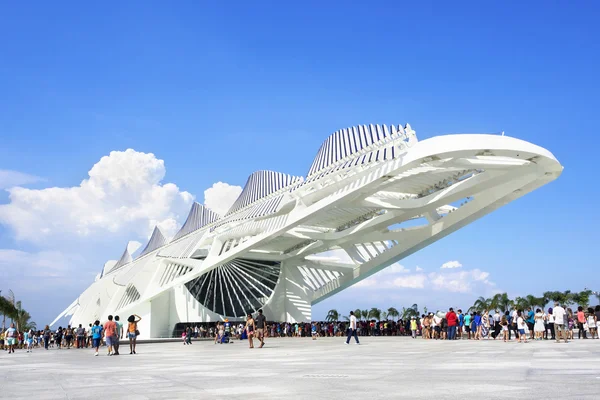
pixel 14 311
pixel 500 301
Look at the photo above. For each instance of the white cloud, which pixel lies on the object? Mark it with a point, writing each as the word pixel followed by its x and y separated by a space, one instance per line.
pixel 418 269
pixel 414 281
pixel 43 264
pixel 393 269
pixel 221 196
pixel 463 281
pixel 124 193
pixel 10 178
pixel 451 264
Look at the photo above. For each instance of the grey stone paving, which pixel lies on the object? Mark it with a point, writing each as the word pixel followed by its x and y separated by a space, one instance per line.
pixel 391 368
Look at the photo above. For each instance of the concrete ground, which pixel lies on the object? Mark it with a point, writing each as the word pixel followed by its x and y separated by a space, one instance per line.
pixel 381 367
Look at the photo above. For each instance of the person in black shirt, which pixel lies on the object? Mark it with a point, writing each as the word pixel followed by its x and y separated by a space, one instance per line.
pixel 261 325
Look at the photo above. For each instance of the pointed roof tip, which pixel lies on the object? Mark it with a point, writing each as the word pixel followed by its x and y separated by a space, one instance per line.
pixel 156 240
pixel 261 184
pixel 198 217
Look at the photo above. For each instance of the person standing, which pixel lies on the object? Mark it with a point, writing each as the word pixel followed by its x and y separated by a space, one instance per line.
pixel 461 323
pixel 352 329
pixel 80 337
pixel 261 325
pixel 452 320
pixel 561 324
pixel 119 335
pixel 467 324
pixel 132 331
pixel 29 340
pixel 413 327
pixel 497 327
pixel 580 321
pixel 513 321
pixel 550 321
pixel 530 322
pixel 250 327
pixel 521 327
pixel 110 334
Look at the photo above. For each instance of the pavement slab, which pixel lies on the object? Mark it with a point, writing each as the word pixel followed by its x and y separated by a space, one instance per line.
pixel 300 368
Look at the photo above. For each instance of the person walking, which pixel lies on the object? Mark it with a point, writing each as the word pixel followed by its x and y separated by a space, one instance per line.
pixel 261 325
pixel 96 336
pixel 46 336
pixel 132 331
pixel 110 334
pixel 352 329
pixel 11 336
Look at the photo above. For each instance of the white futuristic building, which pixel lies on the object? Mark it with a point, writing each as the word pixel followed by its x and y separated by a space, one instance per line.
pixel 373 195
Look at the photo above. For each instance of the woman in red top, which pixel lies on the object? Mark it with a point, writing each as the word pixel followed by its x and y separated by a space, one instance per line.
pixel 581 321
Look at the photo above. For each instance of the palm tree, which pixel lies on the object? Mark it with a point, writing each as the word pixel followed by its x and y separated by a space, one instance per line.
pixel 7 307
pixel 520 303
pixel 481 304
pixel 501 301
pixel 22 320
pixel 409 312
pixel 332 316
pixel 582 298
pixel 392 312
pixel 375 313
pixel 358 313
pixel 365 314
pixel 384 316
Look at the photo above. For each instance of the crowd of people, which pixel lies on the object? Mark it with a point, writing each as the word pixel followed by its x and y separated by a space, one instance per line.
pixel 110 333
pixel 557 323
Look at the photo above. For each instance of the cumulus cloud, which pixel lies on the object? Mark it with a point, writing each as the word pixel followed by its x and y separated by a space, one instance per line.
pixel 221 196
pixel 43 264
pixel 10 178
pixel 451 264
pixel 124 193
pixel 418 269
pixel 463 281
pixel 394 269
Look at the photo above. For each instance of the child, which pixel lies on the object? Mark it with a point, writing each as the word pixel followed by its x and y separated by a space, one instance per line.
pixel 504 325
pixel 413 327
pixel 314 331
pixel 521 327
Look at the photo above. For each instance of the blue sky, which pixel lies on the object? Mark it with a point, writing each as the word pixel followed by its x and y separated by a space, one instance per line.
pixel 218 91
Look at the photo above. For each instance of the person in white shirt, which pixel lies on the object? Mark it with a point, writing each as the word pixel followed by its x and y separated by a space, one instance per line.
pixel 561 325
pixel 497 327
pixel 521 327
pixel 352 329
pixel 513 319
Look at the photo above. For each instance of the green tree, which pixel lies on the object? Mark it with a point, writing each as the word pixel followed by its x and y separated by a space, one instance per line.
pixel 410 312
pixel 332 316
pixel 392 313
pixel 23 319
pixel 501 301
pixel 375 313
pixel 365 314
pixel 481 304
pixel 582 298
pixel 358 313
pixel 7 308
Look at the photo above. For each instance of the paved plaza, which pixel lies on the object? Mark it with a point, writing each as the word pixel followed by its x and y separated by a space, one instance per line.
pixel 294 368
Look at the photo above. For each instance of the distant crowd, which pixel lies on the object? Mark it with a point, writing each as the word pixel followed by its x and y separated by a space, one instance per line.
pixel 556 323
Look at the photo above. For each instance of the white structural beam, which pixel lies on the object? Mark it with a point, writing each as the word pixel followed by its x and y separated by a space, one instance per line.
pixel 364 195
